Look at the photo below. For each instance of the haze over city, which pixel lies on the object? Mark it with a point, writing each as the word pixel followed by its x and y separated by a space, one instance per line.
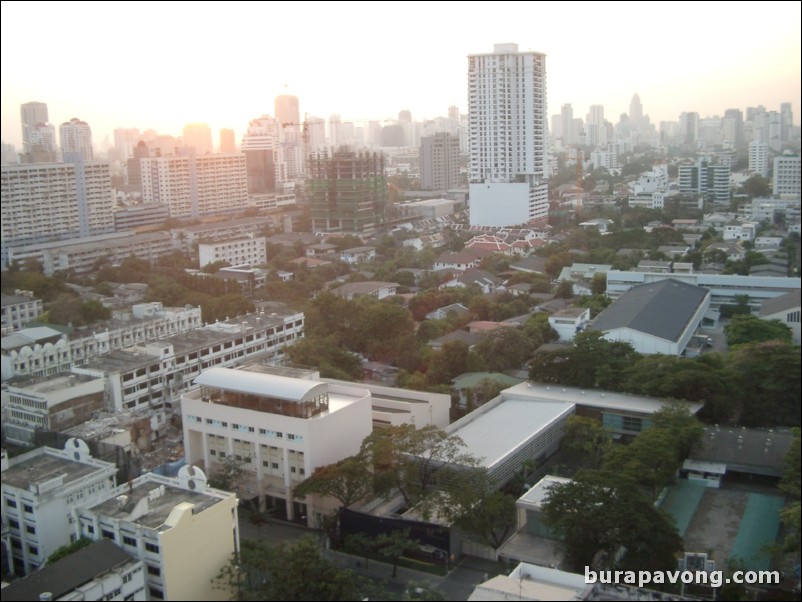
pixel 160 66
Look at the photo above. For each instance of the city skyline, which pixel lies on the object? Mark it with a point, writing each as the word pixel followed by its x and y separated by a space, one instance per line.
pixel 207 67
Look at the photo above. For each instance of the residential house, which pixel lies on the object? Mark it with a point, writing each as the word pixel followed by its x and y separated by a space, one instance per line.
pixel 376 289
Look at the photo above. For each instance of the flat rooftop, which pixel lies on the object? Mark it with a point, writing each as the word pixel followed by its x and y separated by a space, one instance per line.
pixel 590 398
pixel 537 494
pixel 154 514
pixel 50 384
pixel 496 433
pixel 43 468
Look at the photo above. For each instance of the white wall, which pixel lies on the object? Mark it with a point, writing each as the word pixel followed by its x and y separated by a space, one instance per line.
pixel 499 204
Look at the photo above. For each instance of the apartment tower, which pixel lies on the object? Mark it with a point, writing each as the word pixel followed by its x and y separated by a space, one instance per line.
pixel 507 124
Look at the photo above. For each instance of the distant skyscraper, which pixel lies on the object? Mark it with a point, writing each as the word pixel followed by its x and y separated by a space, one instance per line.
pixel 76 137
pixel 508 137
pixel 787 176
pixel 595 128
pixel 227 141
pixel 689 128
pixel 439 161
pixel 38 135
pixel 786 121
pixel 635 110
pixel 260 145
pixel 199 137
pixel 335 131
pixel 567 125
pixel 125 139
pixel 453 113
pixel 287 109
pixel 759 158
pixel 733 128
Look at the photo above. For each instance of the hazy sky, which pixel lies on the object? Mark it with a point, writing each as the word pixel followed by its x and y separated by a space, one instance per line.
pixel 162 65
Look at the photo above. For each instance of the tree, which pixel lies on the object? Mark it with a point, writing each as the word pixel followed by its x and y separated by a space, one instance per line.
pixel 476 507
pixel 586 438
pixel 407 458
pixel 757 186
pixel 599 513
pixel 362 544
pixel 347 481
pixel 229 476
pixel 504 349
pixel 393 546
pixel 565 290
pixel 452 360
pixel 327 355
pixel 685 430
pixel 299 571
pixel 747 328
pixel 651 459
pixel 765 383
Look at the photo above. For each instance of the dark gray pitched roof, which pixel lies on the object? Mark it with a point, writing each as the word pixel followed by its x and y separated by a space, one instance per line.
pixel 68 573
pixel 746 450
pixel 782 303
pixel 661 309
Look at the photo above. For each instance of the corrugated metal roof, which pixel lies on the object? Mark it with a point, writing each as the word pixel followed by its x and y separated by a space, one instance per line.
pixel 268 385
pixel 661 309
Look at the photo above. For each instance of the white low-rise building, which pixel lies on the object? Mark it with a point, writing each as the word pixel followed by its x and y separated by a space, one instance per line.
pixel 279 428
pixel 41 488
pixel 184 531
pixel 569 321
pixel 238 251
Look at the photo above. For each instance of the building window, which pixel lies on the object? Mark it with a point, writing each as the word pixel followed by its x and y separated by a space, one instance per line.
pixel 156 593
pixel 11 503
pixel 154 570
pixel 108 534
pixel 151 547
pixel 30 529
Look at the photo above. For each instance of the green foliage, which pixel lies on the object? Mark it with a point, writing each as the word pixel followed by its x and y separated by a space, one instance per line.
pixel 598 513
pixel 757 186
pixel 587 439
pixel 765 384
pixel 651 459
pixel 326 355
pixel 68 309
pixel 229 476
pixel 747 328
pixel 476 507
pixel 791 483
pixel 591 362
pixel 504 349
pixel 68 549
pixel 407 459
pixel 394 545
pixel 348 481
pixel 453 359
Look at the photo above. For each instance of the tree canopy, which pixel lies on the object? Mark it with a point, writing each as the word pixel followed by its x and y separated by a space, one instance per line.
pixel 599 513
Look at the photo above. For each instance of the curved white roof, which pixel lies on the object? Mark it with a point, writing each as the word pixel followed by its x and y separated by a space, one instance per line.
pixel 268 385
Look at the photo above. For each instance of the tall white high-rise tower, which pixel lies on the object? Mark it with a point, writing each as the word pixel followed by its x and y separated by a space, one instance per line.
pixel 76 137
pixel 507 124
